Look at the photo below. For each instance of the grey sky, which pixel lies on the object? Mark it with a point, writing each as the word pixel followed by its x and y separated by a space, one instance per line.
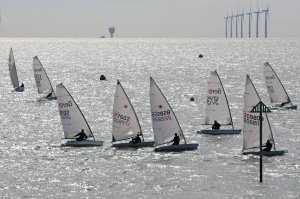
pixel 140 18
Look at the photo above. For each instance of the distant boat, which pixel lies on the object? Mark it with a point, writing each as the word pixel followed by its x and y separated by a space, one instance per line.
pixel 125 121
pixel 251 124
pixel 278 95
pixel 42 81
pixel 73 120
pixel 165 123
pixel 217 107
pixel 13 73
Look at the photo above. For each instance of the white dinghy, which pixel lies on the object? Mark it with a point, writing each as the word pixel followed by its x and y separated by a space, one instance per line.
pixel 217 107
pixel 278 95
pixel 251 124
pixel 13 73
pixel 125 124
pixel 73 120
pixel 42 81
pixel 165 123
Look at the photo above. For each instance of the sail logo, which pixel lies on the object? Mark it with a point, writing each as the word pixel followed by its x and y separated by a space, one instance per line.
pixel 270 77
pixel 66 104
pixel 65 115
pixel 251 119
pixel 212 91
pixel 161 116
pixel 121 119
pixel 214 100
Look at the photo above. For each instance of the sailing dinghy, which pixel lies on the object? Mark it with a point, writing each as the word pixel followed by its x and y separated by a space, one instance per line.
pixel 13 73
pixel 251 125
pixel 125 124
pixel 278 95
pixel 217 107
pixel 42 81
pixel 165 123
pixel 73 120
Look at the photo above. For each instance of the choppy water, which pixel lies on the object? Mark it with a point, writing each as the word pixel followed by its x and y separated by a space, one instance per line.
pixel 32 165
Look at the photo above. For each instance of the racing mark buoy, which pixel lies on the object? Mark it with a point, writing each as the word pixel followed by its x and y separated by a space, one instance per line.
pixel 102 77
pixel 200 56
pixel 192 99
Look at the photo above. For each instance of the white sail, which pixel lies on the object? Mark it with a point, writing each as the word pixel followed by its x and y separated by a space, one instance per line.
pixel 275 88
pixel 164 121
pixel 216 102
pixel 12 70
pixel 251 120
pixel 42 81
pixel 125 122
pixel 71 117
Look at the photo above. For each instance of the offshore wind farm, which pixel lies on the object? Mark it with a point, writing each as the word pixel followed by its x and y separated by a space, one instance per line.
pixel 239 17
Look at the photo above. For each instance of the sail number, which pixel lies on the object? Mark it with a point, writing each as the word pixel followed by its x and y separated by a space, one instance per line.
pixel 121 119
pixel 161 116
pixel 251 119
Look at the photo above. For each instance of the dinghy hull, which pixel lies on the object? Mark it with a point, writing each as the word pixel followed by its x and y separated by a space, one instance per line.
pixel 266 153
pixel 220 131
pixel 83 143
pixel 132 145
pixel 293 107
pixel 180 147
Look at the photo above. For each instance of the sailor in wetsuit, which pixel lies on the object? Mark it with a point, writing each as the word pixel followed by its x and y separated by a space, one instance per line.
pixel 81 136
pixel 216 125
pixel 176 139
pixel 268 146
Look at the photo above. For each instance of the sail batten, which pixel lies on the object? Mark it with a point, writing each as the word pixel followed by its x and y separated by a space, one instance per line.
pixel 42 81
pixel 164 121
pixel 71 116
pixel 125 121
pixel 217 107
pixel 251 123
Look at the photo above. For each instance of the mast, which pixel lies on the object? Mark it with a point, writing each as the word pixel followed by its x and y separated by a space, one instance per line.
pixel 226 99
pixel 141 133
pixel 79 111
pixel 151 79
pixel 289 100
pixel 45 73
pixel 265 113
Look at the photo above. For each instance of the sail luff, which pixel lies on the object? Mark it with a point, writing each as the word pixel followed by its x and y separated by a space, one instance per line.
pixel 42 80
pixel 77 108
pixel 13 70
pixel 226 100
pixel 166 101
pixel 123 108
pixel 251 120
pixel 275 88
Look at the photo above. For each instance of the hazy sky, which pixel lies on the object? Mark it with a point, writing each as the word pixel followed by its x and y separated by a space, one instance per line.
pixel 140 18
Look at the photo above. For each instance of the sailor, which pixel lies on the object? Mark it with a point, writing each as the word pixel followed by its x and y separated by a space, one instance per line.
pixel 268 146
pixel 176 139
pixel 136 139
pixel 81 136
pixel 22 85
pixel 216 125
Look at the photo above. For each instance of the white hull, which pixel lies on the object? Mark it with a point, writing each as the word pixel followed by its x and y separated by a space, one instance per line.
pixel 220 131
pixel 266 153
pixel 276 107
pixel 180 147
pixel 137 145
pixel 83 143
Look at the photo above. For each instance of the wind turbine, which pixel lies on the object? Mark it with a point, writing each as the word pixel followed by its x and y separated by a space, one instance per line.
pixel 226 23
pixel 242 20
pixel 266 20
pixel 257 18
pixel 236 23
pixel 231 20
pixel 250 18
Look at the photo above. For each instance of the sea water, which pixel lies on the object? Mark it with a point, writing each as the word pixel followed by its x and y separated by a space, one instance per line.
pixel 33 165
